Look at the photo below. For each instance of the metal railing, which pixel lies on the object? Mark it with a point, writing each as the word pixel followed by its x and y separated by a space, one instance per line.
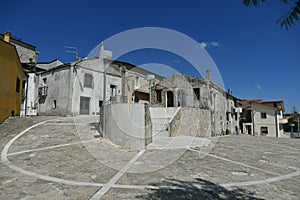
pixel 43 91
pixel 118 99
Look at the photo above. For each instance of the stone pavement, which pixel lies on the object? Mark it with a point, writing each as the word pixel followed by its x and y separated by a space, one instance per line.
pixel 64 158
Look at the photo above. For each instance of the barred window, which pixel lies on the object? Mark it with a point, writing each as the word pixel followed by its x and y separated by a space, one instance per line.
pixel 88 80
pixel 264 130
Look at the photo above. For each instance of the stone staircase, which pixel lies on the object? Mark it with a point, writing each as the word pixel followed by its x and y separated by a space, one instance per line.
pixel 160 118
pixel 160 127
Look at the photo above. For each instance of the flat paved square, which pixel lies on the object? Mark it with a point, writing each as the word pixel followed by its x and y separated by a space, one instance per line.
pixel 64 158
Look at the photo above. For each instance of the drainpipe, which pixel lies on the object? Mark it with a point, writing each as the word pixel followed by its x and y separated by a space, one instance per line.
pixel 253 124
pixel 26 95
pixel 276 123
pixel 104 99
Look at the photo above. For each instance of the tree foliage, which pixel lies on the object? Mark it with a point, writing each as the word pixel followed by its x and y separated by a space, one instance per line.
pixel 289 18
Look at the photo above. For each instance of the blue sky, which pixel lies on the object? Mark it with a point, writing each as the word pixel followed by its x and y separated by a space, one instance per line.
pixel 256 58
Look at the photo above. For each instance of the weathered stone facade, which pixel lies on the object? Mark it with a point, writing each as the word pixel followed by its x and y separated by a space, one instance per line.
pixel 191 122
pixel 201 96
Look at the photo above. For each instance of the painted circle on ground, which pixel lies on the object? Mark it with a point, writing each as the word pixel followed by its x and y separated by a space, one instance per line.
pixel 162 39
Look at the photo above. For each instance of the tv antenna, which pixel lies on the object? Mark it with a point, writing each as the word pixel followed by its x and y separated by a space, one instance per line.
pixel 173 69
pixel 73 50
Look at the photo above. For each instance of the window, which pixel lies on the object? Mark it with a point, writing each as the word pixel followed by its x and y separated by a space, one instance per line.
pixel 228 116
pixel 18 84
pixel 264 130
pixel 44 81
pixel 197 93
pixel 113 89
pixel 54 104
pixel 23 88
pixel 88 80
pixel 137 82
pixel 263 115
pixel 158 95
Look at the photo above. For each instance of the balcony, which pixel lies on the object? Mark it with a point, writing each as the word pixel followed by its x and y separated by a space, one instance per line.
pixel 43 91
pixel 238 110
pixel 283 121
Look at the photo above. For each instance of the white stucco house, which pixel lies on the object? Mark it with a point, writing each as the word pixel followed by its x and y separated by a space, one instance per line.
pixel 77 88
pixel 263 118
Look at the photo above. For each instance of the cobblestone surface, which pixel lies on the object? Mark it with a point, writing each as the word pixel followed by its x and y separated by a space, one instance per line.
pixel 64 158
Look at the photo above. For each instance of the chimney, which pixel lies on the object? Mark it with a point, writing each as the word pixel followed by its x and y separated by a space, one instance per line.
pixel 7 37
pixel 102 46
pixel 208 74
pixel 101 50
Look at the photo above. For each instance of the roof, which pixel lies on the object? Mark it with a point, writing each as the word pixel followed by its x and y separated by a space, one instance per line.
pixel 279 104
pixel 48 62
pixel 19 42
pixel 137 69
pixel 16 53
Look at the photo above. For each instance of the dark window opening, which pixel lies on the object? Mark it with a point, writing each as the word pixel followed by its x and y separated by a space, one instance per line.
pixel 54 104
pixel 264 130
pixel 113 89
pixel 197 93
pixel 18 82
pixel 45 80
pixel 23 88
pixel 158 95
pixel 263 115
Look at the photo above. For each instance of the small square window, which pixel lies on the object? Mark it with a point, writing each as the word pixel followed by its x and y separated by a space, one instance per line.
pixel 264 130
pixel 263 115
pixel 88 80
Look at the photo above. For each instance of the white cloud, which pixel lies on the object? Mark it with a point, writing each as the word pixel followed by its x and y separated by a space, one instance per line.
pixel 210 44
pixel 258 86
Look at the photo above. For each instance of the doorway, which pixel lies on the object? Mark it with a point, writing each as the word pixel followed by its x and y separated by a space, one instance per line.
pixel 84 106
pixel 170 99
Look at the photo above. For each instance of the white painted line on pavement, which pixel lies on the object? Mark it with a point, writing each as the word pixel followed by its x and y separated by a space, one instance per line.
pixel 68 124
pixel 9 164
pixel 51 147
pixel 114 179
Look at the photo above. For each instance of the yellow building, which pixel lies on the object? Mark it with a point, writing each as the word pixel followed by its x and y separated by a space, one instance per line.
pixel 11 76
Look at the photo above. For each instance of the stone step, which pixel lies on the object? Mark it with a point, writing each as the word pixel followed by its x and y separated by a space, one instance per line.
pixel 159 127
pixel 160 133
pixel 160 120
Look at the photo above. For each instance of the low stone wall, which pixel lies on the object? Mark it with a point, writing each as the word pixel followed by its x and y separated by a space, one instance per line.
pixel 128 125
pixel 191 122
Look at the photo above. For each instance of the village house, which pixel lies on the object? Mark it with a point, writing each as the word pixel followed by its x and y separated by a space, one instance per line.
pixel 263 118
pixel 78 88
pixel 138 83
pixel 27 52
pixel 203 104
pixel 10 80
pixel 28 57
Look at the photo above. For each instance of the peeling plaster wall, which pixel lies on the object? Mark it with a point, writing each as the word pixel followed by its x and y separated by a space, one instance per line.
pixel 191 122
